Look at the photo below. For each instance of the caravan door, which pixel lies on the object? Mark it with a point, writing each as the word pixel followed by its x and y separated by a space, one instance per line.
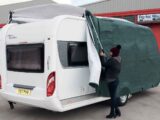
pixel 73 70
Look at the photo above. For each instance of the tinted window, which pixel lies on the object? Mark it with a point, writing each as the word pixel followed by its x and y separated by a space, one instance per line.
pixel 77 54
pixel 73 53
pixel 25 58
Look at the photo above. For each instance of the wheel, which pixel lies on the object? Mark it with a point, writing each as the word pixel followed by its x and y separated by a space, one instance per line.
pixel 122 100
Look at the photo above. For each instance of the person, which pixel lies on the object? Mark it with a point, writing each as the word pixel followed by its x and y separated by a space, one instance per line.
pixel 112 67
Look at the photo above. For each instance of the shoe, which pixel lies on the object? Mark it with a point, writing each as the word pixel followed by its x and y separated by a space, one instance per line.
pixel 118 112
pixel 111 115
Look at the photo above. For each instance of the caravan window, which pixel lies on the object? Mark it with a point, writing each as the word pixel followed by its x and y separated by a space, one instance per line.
pixel 25 58
pixel 77 54
pixel 73 54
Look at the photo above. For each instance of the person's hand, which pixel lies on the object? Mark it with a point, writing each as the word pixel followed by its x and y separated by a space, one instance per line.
pixel 101 53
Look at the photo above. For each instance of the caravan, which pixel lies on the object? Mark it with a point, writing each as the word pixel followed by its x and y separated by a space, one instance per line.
pixel 45 64
pixel 44 61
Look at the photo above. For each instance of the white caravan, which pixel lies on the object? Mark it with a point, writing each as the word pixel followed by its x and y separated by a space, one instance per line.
pixel 45 64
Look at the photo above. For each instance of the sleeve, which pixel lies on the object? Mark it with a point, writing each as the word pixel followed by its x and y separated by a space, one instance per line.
pixel 103 61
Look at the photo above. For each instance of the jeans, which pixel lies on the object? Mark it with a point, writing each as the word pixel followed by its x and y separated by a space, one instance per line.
pixel 112 91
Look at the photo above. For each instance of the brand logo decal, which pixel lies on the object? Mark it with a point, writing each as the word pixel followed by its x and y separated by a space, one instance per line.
pixel 12 37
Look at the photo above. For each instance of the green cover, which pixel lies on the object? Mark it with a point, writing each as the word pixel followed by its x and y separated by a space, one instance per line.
pixel 140 56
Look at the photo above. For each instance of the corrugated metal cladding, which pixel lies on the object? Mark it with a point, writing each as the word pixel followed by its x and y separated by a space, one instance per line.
pixel 4 10
pixel 108 6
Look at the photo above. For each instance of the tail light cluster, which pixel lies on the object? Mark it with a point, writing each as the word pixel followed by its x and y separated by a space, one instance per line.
pixel 0 82
pixel 51 84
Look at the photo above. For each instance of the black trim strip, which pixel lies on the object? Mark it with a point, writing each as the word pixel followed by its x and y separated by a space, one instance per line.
pixel 23 86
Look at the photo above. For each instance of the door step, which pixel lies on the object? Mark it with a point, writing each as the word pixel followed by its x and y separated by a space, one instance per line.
pixel 78 99
pixel 81 101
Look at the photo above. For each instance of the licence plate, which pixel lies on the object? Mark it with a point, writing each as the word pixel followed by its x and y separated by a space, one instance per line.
pixel 23 91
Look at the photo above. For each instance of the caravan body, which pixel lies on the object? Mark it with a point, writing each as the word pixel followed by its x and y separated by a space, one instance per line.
pixel 45 64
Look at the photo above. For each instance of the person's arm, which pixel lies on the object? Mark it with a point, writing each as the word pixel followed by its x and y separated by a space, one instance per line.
pixel 103 60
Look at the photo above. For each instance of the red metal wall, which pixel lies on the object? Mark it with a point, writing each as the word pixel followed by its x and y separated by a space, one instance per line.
pixel 134 12
pixel 156 30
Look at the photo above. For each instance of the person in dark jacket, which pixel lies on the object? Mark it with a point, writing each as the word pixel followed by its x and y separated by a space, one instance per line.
pixel 112 67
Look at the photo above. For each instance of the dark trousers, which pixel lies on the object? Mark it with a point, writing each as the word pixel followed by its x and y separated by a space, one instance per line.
pixel 112 91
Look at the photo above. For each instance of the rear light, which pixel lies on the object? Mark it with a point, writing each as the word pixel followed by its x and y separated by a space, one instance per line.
pixel 51 84
pixel 0 82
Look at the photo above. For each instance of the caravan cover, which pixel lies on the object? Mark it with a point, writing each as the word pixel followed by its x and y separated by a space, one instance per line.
pixel 140 55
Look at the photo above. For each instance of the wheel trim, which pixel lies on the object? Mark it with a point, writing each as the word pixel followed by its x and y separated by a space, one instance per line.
pixel 123 98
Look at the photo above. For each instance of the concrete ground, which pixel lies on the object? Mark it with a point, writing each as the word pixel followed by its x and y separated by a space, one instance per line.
pixel 142 106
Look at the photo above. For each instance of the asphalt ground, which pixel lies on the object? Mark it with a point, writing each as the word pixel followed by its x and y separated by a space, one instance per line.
pixel 142 106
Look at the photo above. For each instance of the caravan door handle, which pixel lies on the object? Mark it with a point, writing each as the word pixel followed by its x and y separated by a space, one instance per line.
pixel 48 62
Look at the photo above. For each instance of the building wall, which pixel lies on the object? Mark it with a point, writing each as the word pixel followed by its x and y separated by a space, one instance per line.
pixel 4 10
pixel 108 6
